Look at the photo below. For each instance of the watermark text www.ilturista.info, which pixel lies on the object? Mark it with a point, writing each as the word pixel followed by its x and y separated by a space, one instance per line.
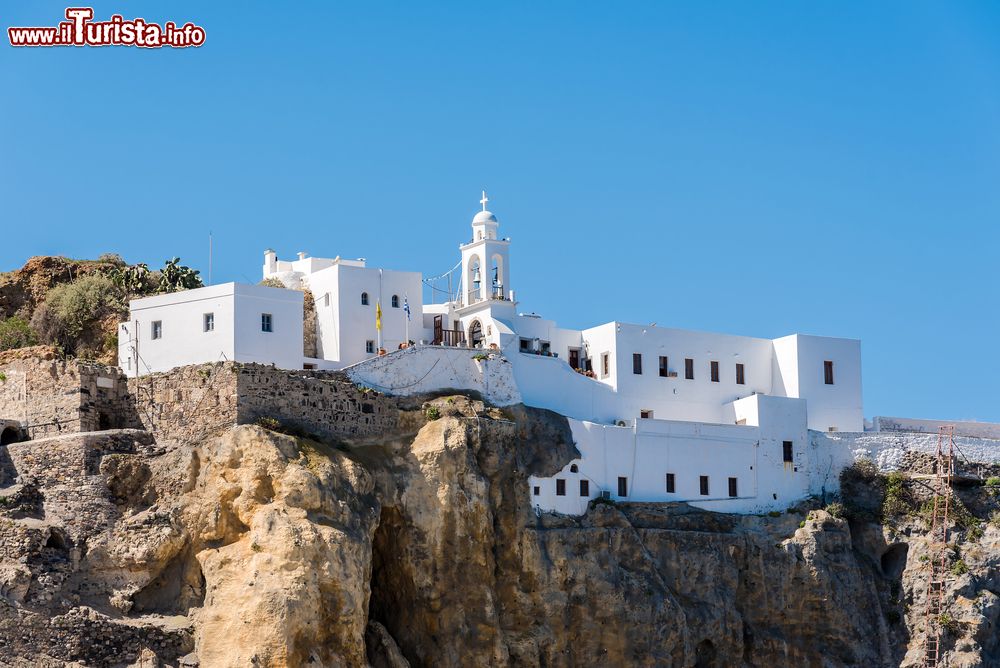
pixel 81 30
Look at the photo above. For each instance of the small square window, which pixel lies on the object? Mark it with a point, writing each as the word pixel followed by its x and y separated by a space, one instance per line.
pixel 525 345
pixel 560 487
pixel 622 486
pixel 715 371
pixel 786 451
pixel 740 378
pixel 637 363
pixel 646 414
pixel 536 490
pixel 689 369
pixel 266 324
pixel 369 346
pixel 703 485
pixel 208 322
pixel 671 483
pixel 584 488
pixel 157 329
pixel 732 487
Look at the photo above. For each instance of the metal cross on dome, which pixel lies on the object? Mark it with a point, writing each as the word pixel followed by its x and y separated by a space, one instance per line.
pixel 484 200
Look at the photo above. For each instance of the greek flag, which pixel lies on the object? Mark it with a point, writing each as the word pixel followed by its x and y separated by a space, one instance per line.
pixel 406 307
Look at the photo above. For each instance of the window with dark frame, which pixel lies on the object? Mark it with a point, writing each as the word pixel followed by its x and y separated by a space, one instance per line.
pixel 208 322
pixel 740 378
pixel 715 371
pixel 266 322
pixel 156 331
pixel 664 367
pixel 671 483
pixel 584 488
pixel 703 485
pixel 732 487
pixel 646 414
pixel 605 364
pixel 786 451
pixel 394 302
pixel 828 372
pixel 369 346
pixel 689 369
pixel 537 490
pixel 364 299
pixel 622 486
pixel 637 363
pixel 560 487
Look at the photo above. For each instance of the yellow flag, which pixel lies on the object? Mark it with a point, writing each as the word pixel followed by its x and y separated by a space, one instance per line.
pixel 378 315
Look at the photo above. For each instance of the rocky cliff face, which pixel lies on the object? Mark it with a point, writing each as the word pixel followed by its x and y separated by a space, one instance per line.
pixel 256 548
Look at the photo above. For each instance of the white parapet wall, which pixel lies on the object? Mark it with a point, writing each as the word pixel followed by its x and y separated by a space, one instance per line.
pixel 426 369
pixel 887 449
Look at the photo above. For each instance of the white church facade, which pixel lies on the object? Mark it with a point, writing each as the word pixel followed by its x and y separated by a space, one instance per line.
pixel 659 414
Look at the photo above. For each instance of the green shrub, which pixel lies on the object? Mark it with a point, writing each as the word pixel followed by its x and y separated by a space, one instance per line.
pixel 268 423
pixel 15 332
pixel 432 413
pixel 837 510
pixel 480 357
pixel 959 568
pixel 272 282
pixel 897 500
pixel 993 486
pixel 72 312
pixel 774 513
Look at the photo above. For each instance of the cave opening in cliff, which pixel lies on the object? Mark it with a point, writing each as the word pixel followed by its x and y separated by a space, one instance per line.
pixel 177 589
pixel 9 435
pixel 894 560
pixel 704 655
pixel 392 590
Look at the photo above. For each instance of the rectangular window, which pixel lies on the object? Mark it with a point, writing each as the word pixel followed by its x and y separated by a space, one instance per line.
pixel 326 299
pixel 664 367
pixel 157 329
pixel 786 451
pixel 828 372
pixel 208 322
pixel 525 345
pixel 637 363
pixel 560 487
pixel 689 368
pixel 671 483
pixel 703 485
pixel 715 371
pixel 622 486
pixel 584 488
pixel 537 490
pixel 605 365
pixel 740 378
pixel 369 346
pixel 646 414
pixel 266 324
pixel 732 487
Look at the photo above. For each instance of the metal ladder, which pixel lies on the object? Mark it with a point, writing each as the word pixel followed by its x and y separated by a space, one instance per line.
pixel 934 604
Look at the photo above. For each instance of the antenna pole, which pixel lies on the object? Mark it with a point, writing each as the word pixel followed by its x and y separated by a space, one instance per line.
pixel 210 257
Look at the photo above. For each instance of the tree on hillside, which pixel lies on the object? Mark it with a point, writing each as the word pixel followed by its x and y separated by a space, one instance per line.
pixel 77 316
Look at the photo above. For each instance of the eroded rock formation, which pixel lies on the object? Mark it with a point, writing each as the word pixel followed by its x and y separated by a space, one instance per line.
pixel 255 548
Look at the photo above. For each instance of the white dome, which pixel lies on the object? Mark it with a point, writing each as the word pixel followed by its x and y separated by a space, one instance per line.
pixel 484 217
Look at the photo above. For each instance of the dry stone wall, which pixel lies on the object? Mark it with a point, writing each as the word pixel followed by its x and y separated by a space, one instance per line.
pixel 193 402
pixel 49 396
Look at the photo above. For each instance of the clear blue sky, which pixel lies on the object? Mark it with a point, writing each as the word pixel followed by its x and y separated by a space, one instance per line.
pixel 754 168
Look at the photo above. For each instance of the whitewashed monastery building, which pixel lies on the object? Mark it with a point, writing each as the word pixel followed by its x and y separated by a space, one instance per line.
pixel 722 421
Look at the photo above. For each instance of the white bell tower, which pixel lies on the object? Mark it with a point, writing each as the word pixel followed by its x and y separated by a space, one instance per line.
pixel 485 261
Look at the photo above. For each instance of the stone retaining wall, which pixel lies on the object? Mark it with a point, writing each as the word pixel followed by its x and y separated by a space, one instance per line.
pixel 49 396
pixel 193 402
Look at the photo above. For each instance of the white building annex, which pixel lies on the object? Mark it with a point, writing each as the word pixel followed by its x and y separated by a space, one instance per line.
pixel 658 414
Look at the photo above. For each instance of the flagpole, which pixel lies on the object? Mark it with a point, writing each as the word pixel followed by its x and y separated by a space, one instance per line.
pixel 378 308
pixel 406 303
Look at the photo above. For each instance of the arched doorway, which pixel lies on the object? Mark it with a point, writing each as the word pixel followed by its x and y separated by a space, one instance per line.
pixel 9 435
pixel 476 334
